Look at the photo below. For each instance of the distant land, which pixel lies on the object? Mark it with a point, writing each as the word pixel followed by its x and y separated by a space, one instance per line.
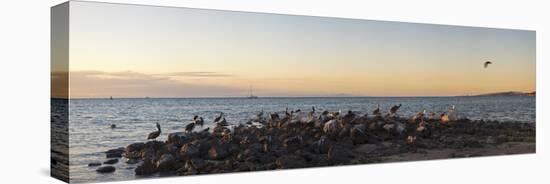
pixel 509 93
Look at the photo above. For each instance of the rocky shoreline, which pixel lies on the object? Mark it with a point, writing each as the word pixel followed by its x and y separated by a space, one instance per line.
pixel 330 140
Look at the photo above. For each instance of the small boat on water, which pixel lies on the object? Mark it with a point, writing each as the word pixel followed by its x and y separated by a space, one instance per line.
pixel 251 96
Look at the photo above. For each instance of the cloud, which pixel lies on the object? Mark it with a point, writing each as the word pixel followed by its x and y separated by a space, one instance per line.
pixel 195 74
pixel 92 84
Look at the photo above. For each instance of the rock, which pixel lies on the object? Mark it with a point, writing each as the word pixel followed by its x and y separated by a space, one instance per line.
pixel 234 149
pixel 198 164
pixel 179 138
pixel 322 145
pixel 291 161
pixel 358 134
pixel 367 148
pixel 266 159
pixel 111 161
pixel 132 161
pixel 146 168
pixel 94 164
pixel 293 143
pixel 491 140
pixel 217 152
pixel 339 155
pixel 115 153
pixel 166 162
pixel 189 151
pixel 106 169
pixel 134 150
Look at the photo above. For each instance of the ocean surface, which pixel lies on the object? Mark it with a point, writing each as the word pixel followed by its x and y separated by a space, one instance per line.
pixel 90 119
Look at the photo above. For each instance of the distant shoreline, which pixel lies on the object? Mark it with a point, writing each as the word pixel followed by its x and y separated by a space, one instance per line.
pixel 287 97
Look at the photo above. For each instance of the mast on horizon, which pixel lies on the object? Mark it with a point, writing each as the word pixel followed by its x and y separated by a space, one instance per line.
pixel 251 96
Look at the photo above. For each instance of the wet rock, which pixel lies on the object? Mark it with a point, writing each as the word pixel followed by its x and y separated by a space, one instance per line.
pixel 291 161
pixel 166 162
pixel 266 158
pixel 189 151
pixel 367 148
pixel 322 145
pixel 134 150
pixel 198 164
pixel 94 164
pixel 358 134
pixel 132 161
pixel 146 168
pixel 115 153
pixel 111 161
pixel 179 138
pixel 217 152
pixel 234 149
pixel 293 143
pixel 339 155
pixel 106 169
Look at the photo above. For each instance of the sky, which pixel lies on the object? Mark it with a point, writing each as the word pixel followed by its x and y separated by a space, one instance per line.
pixel 137 51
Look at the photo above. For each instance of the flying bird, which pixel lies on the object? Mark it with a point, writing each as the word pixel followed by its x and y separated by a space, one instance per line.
pixel 487 63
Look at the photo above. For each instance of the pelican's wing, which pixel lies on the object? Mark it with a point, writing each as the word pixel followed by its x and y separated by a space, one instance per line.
pixel 487 64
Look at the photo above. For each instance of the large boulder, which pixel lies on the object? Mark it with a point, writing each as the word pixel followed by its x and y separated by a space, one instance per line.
pixel 188 151
pixel 179 138
pixel 166 162
pixel 322 145
pixel 134 150
pixel 146 168
pixel 339 155
pixel 217 152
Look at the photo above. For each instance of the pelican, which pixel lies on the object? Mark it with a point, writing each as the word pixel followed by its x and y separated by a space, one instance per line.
pixel 218 118
pixel 223 122
pixel 452 113
pixel 190 127
pixel 394 109
pixel 487 63
pixel 350 115
pixel 297 111
pixel 312 112
pixel 260 114
pixel 376 111
pixel 198 120
pixel 419 116
pixel 155 134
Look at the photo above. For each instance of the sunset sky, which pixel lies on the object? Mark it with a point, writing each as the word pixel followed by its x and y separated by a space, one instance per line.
pixel 136 51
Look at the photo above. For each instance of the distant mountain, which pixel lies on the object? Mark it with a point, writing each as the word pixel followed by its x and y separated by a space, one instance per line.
pixel 509 93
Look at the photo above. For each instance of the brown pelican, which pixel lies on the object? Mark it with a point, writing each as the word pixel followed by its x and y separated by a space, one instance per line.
pixel 198 120
pixel 394 109
pixel 260 115
pixel 419 116
pixel 155 134
pixel 190 127
pixel 311 114
pixel 376 111
pixel 223 122
pixel 331 127
pixel 218 118
pixel 487 63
